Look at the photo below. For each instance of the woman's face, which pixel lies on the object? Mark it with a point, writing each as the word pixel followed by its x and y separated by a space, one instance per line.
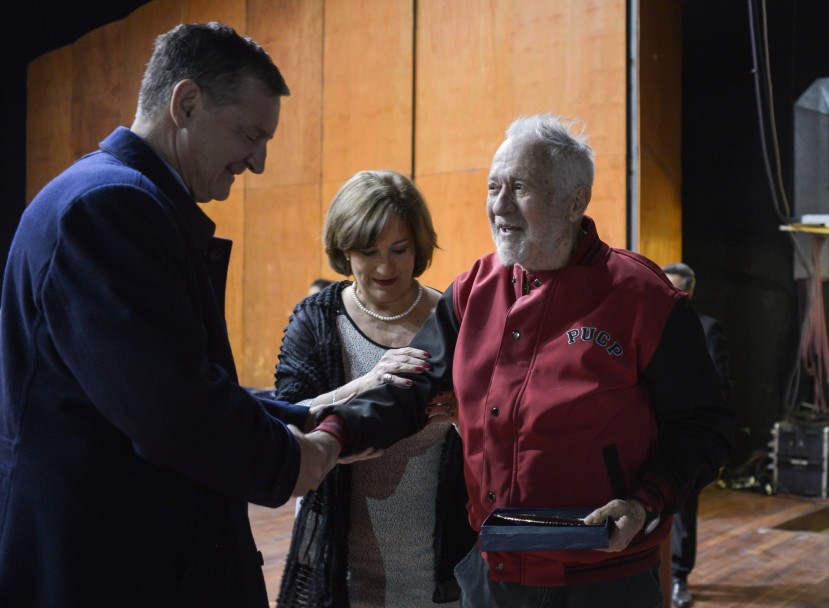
pixel 383 271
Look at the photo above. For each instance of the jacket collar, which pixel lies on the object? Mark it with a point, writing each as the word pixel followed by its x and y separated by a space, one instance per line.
pixel 589 247
pixel 134 152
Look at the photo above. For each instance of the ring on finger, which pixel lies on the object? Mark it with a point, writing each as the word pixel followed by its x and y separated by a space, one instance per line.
pixel 387 379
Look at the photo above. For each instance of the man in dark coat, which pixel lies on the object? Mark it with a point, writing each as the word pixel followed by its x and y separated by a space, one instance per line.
pixel 684 531
pixel 128 450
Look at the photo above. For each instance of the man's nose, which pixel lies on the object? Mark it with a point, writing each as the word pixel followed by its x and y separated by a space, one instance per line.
pixel 503 202
pixel 256 160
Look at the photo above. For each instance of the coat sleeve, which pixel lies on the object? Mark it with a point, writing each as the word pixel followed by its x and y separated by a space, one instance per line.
pixel 388 413
pixel 138 332
pixel 301 370
pixel 696 426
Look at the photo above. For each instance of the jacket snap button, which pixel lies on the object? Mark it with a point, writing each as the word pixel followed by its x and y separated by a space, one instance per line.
pixel 537 282
pixel 495 411
pixel 499 566
pixel 516 334
pixel 491 497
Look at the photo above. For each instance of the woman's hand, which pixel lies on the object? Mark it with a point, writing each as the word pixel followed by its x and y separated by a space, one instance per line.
pixel 314 409
pixel 442 409
pixel 394 362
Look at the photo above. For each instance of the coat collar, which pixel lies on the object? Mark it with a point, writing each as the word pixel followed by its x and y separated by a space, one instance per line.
pixel 134 152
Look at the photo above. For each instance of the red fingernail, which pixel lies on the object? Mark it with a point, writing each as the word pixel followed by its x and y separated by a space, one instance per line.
pixel 409 382
pixel 419 368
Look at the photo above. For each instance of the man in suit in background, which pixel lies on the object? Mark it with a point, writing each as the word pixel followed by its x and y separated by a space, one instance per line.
pixel 684 533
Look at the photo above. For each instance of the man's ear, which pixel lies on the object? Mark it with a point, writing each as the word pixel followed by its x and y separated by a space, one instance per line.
pixel 186 96
pixel 578 203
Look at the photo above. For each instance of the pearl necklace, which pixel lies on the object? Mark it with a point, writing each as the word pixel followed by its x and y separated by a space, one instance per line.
pixel 380 317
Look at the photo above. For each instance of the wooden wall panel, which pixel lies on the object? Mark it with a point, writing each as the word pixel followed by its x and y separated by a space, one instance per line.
pixel 481 63
pixel 463 99
pixel 49 134
pixel 291 31
pixel 660 130
pixel 140 30
pixel 97 73
pixel 464 234
pixel 367 96
pixel 277 269
pixel 606 208
pixel 232 12
pixel 282 205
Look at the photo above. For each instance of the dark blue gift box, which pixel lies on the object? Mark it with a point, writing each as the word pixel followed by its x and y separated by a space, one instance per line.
pixel 512 529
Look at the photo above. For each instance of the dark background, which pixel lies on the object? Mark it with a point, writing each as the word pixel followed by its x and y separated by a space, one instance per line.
pixel 731 233
pixel 28 29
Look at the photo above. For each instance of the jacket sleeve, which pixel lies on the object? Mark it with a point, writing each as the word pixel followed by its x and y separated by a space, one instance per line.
pixel 388 413
pixel 137 331
pixel 696 426
pixel 300 372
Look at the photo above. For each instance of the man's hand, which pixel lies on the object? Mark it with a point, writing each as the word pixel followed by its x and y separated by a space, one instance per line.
pixel 319 452
pixel 318 455
pixel 628 517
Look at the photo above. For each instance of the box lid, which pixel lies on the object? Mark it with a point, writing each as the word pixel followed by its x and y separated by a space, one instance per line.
pixel 515 529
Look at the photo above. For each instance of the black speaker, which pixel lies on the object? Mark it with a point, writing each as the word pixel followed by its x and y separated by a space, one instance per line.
pixel 801 451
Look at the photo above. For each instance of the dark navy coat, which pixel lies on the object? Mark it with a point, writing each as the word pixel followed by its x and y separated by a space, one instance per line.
pixel 128 450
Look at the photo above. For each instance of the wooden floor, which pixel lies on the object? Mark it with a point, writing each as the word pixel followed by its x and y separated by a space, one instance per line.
pixel 753 550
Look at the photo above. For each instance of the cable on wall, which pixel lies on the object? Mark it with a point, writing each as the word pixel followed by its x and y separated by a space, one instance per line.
pixel 813 347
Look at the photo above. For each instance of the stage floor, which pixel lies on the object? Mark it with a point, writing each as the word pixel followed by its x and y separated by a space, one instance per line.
pixel 753 550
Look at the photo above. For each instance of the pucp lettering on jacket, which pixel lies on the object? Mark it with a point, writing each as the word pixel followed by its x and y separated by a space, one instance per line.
pixel 599 337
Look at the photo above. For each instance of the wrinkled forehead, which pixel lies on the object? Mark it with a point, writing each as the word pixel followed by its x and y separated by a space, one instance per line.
pixel 524 159
pixel 523 152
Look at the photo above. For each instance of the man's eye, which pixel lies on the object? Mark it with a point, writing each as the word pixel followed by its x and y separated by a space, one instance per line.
pixel 493 187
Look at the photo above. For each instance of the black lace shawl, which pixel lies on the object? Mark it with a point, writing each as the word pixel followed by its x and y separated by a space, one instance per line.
pixel 315 574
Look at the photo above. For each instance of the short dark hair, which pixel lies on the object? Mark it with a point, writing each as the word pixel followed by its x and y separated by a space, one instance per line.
pixel 214 56
pixel 685 272
pixel 359 210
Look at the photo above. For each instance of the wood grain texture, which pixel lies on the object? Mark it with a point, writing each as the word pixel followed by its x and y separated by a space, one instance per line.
pixel 291 31
pixel 282 210
pixel 232 12
pixel 280 227
pixel 744 558
pixel 660 131
pixel 49 129
pixel 457 202
pixel 368 81
pixel 482 63
pixel 98 61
